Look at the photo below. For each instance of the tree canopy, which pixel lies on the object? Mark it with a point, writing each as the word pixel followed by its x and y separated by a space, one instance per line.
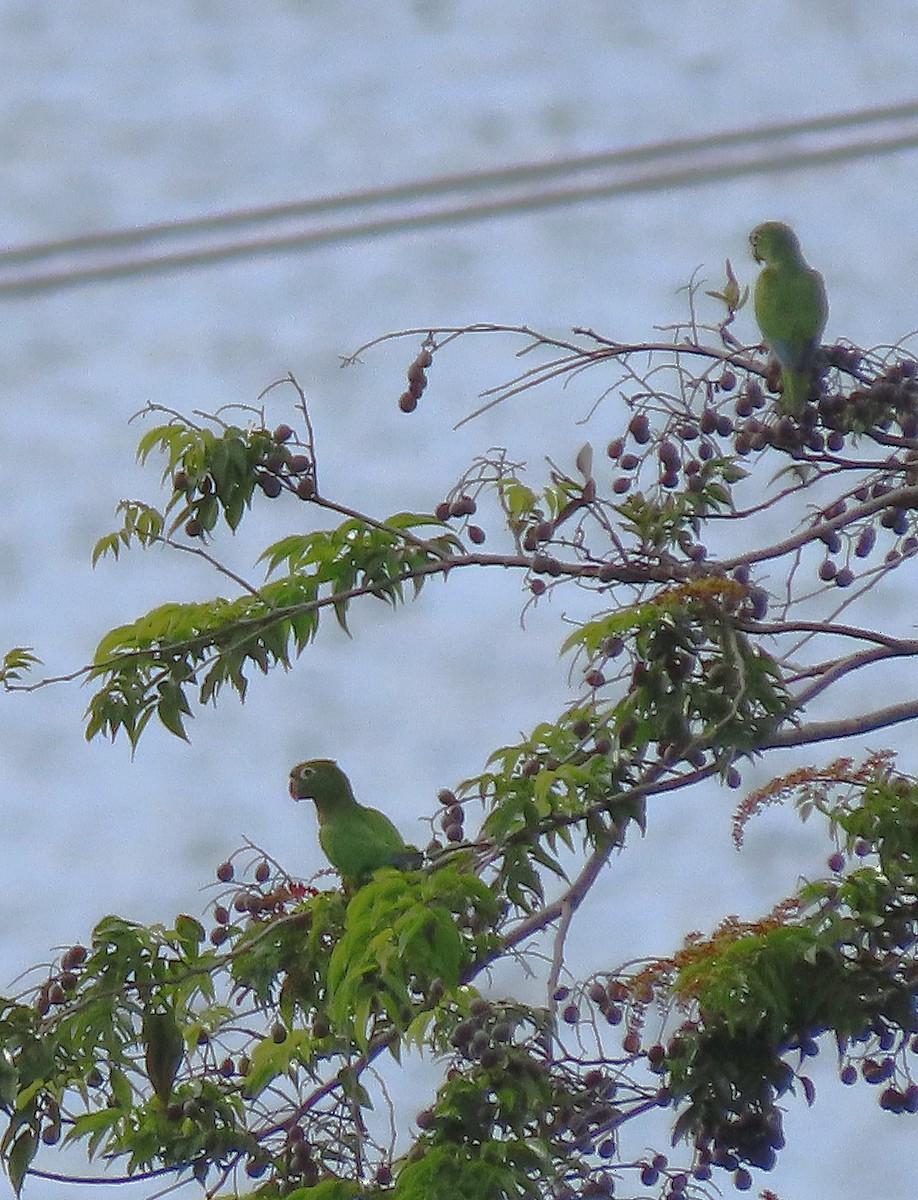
pixel 730 555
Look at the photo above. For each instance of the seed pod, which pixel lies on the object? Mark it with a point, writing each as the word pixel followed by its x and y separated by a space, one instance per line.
pixel 639 428
pixel 668 455
pixel 865 541
pixel 73 957
pixel 465 506
pixel 417 379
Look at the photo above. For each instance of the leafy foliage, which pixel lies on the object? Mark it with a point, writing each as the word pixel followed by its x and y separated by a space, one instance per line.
pixel 247 1056
pixel 16 663
pixel 149 667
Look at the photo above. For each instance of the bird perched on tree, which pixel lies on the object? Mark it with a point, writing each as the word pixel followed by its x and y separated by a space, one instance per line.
pixel 357 840
pixel 791 309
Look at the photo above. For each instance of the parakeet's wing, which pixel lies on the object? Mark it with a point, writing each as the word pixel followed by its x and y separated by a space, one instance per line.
pixel 381 829
pixel 361 840
pixel 791 309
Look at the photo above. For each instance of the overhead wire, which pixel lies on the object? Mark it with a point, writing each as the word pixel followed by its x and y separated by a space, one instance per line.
pixel 298 225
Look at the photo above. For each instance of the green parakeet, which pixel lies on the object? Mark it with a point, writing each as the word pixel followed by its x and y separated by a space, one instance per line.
pixel 163 1051
pixel 791 309
pixel 356 840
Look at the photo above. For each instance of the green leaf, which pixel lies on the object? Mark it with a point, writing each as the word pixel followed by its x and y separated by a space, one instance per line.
pixel 16 663
pixel 269 1059
pixel 109 544
pixel 328 1189
pixel 190 933
pixel 20 1157
pixel 172 706
pixel 9 1078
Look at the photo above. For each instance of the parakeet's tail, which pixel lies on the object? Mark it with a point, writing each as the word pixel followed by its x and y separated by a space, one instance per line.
pixel 795 391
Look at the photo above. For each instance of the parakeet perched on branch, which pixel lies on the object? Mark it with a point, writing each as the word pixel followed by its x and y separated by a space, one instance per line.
pixel 356 840
pixel 791 309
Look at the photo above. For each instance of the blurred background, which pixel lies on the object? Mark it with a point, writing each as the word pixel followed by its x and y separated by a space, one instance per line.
pixel 114 117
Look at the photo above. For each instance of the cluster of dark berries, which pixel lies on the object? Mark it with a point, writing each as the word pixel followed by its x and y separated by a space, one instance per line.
pixel 738 1123
pixel 689 451
pixel 890 399
pixel 58 986
pixel 485 1034
pixel 753 1138
pixel 754 606
pixel 584 729
pixel 652 1169
pixel 684 452
pixel 226 480
pixel 255 902
pixel 899 1101
pixel 901 1096
pixel 897 520
pixel 461 508
pixel 280 467
pixel 417 381
pixel 300 1165
pixel 609 998
pixel 583 1116
pixel 452 819
pixel 594 674
pixel 542 531
pixel 581 1113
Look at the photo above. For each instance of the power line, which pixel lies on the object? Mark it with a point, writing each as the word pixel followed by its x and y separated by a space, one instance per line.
pixel 683 162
